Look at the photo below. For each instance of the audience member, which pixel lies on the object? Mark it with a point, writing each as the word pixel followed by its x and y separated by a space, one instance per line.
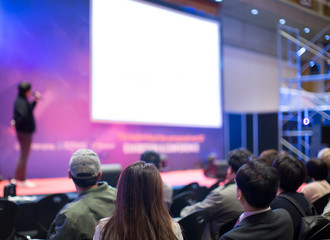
pixel 292 174
pixel 325 155
pixel 268 156
pixel 257 184
pixel 317 170
pixel 222 203
pixel 211 169
pixel 154 158
pixel 141 211
pixel 95 200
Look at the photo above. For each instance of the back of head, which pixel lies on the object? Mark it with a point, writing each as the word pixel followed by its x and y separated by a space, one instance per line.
pixel 325 155
pixel 258 182
pixel 139 187
pixel 151 157
pixel 84 167
pixel 317 169
pixel 23 87
pixel 292 172
pixel 268 156
pixel 141 211
pixel 237 157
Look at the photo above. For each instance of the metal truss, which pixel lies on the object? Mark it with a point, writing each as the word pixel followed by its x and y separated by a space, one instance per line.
pixel 300 111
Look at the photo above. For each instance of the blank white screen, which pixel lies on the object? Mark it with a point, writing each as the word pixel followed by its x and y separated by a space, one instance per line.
pixel 154 65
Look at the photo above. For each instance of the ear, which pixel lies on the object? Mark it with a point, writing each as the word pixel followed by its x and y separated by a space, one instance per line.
pixel 70 176
pixel 99 176
pixel 239 194
pixel 230 170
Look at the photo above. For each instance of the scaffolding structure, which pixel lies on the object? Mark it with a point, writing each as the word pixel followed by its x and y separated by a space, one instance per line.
pixel 301 112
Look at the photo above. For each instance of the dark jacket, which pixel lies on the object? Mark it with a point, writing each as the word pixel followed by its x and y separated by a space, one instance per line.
pixel 23 115
pixel 279 202
pixel 270 225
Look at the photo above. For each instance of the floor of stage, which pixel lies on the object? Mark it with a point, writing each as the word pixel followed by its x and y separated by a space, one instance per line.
pixel 43 186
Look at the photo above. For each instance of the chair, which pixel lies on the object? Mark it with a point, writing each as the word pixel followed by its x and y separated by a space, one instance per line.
pixel 8 217
pixel 111 173
pixel 320 203
pixel 46 210
pixel 180 201
pixel 190 187
pixel 194 224
pixel 194 186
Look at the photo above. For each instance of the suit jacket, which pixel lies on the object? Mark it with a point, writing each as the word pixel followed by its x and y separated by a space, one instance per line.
pixel 223 207
pixel 269 225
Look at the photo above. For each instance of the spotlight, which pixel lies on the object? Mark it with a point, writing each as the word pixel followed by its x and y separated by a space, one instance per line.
pixel 314 67
pixel 282 21
pixel 307 30
pixel 301 51
pixel 254 11
pixel 327 37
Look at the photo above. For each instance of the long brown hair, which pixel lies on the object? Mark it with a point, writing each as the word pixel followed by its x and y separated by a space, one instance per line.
pixel 141 211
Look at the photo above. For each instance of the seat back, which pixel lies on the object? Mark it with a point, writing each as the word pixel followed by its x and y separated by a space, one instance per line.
pixel 320 203
pixel 111 173
pixel 189 187
pixel 180 201
pixel 194 186
pixel 46 210
pixel 194 224
pixel 8 217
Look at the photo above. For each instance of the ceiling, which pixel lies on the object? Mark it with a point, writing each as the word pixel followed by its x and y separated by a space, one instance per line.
pixel 270 11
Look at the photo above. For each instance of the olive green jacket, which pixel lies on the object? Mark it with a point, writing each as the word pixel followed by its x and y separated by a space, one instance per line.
pixel 77 219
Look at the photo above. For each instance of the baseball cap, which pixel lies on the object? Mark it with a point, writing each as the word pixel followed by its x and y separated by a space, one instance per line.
pixel 84 164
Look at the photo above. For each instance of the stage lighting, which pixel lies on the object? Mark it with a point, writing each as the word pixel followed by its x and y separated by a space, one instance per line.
pixel 307 30
pixel 314 67
pixel 301 51
pixel 306 121
pixel 254 11
pixel 282 21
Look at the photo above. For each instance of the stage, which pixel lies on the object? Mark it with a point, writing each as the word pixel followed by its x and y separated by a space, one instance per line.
pixel 44 186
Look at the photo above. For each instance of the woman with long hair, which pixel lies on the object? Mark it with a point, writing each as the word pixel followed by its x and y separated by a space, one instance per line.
pixel 141 212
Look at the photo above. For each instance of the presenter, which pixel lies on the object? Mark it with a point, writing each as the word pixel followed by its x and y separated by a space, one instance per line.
pixel 25 126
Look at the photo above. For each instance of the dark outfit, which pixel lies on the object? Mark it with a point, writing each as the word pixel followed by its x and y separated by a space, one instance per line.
pixel 279 202
pixel 25 126
pixel 269 225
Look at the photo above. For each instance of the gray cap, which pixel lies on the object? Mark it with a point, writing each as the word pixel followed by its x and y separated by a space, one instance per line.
pixel 84 163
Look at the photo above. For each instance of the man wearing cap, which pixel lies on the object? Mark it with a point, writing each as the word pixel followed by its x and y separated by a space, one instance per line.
pixel 95 200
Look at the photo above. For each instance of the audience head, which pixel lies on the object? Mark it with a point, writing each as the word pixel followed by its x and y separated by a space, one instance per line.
pixel 84 168
pixel 292 172
pixel 258 182
pixel 237 157
pixel 140 186
pixel 151 157
pixel 317 169
pixel 141 212
pixel 23 88
pixel 325 155
pixel 268 156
